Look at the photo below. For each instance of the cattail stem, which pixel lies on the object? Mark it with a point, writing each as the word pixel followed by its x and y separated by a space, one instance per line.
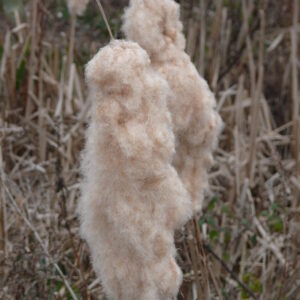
pixel 72 40
pixel 105 19
pixel 256 103
pixel 295 96
pixel 32 59
pixel 2 224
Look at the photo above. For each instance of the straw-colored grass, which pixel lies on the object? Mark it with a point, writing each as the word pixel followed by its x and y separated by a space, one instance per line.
pixel 246 243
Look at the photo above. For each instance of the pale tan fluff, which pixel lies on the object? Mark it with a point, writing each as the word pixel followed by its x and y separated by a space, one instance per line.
pixel 132 198
pixel 155 26
pixel 77 7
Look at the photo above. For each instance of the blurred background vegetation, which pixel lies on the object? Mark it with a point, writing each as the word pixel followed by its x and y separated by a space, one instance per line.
pixel 245 244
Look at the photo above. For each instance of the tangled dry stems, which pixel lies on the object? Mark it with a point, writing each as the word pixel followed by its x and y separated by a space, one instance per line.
pixel 252 223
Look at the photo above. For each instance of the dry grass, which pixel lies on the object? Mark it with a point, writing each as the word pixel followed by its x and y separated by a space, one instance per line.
pixel 246 243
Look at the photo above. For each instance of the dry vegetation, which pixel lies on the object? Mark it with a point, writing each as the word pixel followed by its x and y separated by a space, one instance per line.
pixel 246 243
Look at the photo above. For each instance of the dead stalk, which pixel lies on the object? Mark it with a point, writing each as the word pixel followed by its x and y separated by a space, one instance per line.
pixel 194 264
pixel 105 19
pixel 256 102
pixel 32 59
pixel 295 86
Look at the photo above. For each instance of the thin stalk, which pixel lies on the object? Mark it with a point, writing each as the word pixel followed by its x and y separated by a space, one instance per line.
pixel 71 45
pixel 256 102
pixel 295 87
pixel 192 249
pixel 32 59
pixel 201 66
pixel 105 19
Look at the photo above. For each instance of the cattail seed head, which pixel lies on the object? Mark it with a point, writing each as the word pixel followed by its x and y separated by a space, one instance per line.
pixel 156 26
pixel 132 198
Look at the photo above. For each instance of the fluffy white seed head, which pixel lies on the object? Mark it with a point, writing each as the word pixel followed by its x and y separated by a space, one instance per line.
pixel 156 26
pixel 132 198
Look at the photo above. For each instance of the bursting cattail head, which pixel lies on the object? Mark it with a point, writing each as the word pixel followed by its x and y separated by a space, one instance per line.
pixel 154 24
pixel 77 7
pixel 122 72
pixel 132 198
pixel 116 67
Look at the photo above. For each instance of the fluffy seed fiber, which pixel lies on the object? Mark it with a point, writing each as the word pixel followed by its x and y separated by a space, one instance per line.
pixel 132 197
pixel 155 25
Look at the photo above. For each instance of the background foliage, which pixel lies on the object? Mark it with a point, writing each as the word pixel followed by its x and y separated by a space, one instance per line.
pixel 245 244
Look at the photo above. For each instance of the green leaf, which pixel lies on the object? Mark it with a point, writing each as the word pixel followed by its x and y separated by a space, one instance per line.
pixel 20 74
pixel 76 291
pixel 244 294
pixel 213 234
pixel 264 213
pixel 253 284
pixel 227 236
pixel 278 225
pixel 226 256
pixel 1 53
pixel 226 3
pixel 275 206
pixel 245 277
pixel 201 221
pixel 210 221
pixel 59 285
pixel 225 294
pixel 212 202
pixel 253 239
pixel 275 223
pixel 43 261
pixel 226 210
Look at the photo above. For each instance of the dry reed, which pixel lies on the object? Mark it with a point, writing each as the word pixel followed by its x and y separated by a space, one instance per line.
pixel 245 244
